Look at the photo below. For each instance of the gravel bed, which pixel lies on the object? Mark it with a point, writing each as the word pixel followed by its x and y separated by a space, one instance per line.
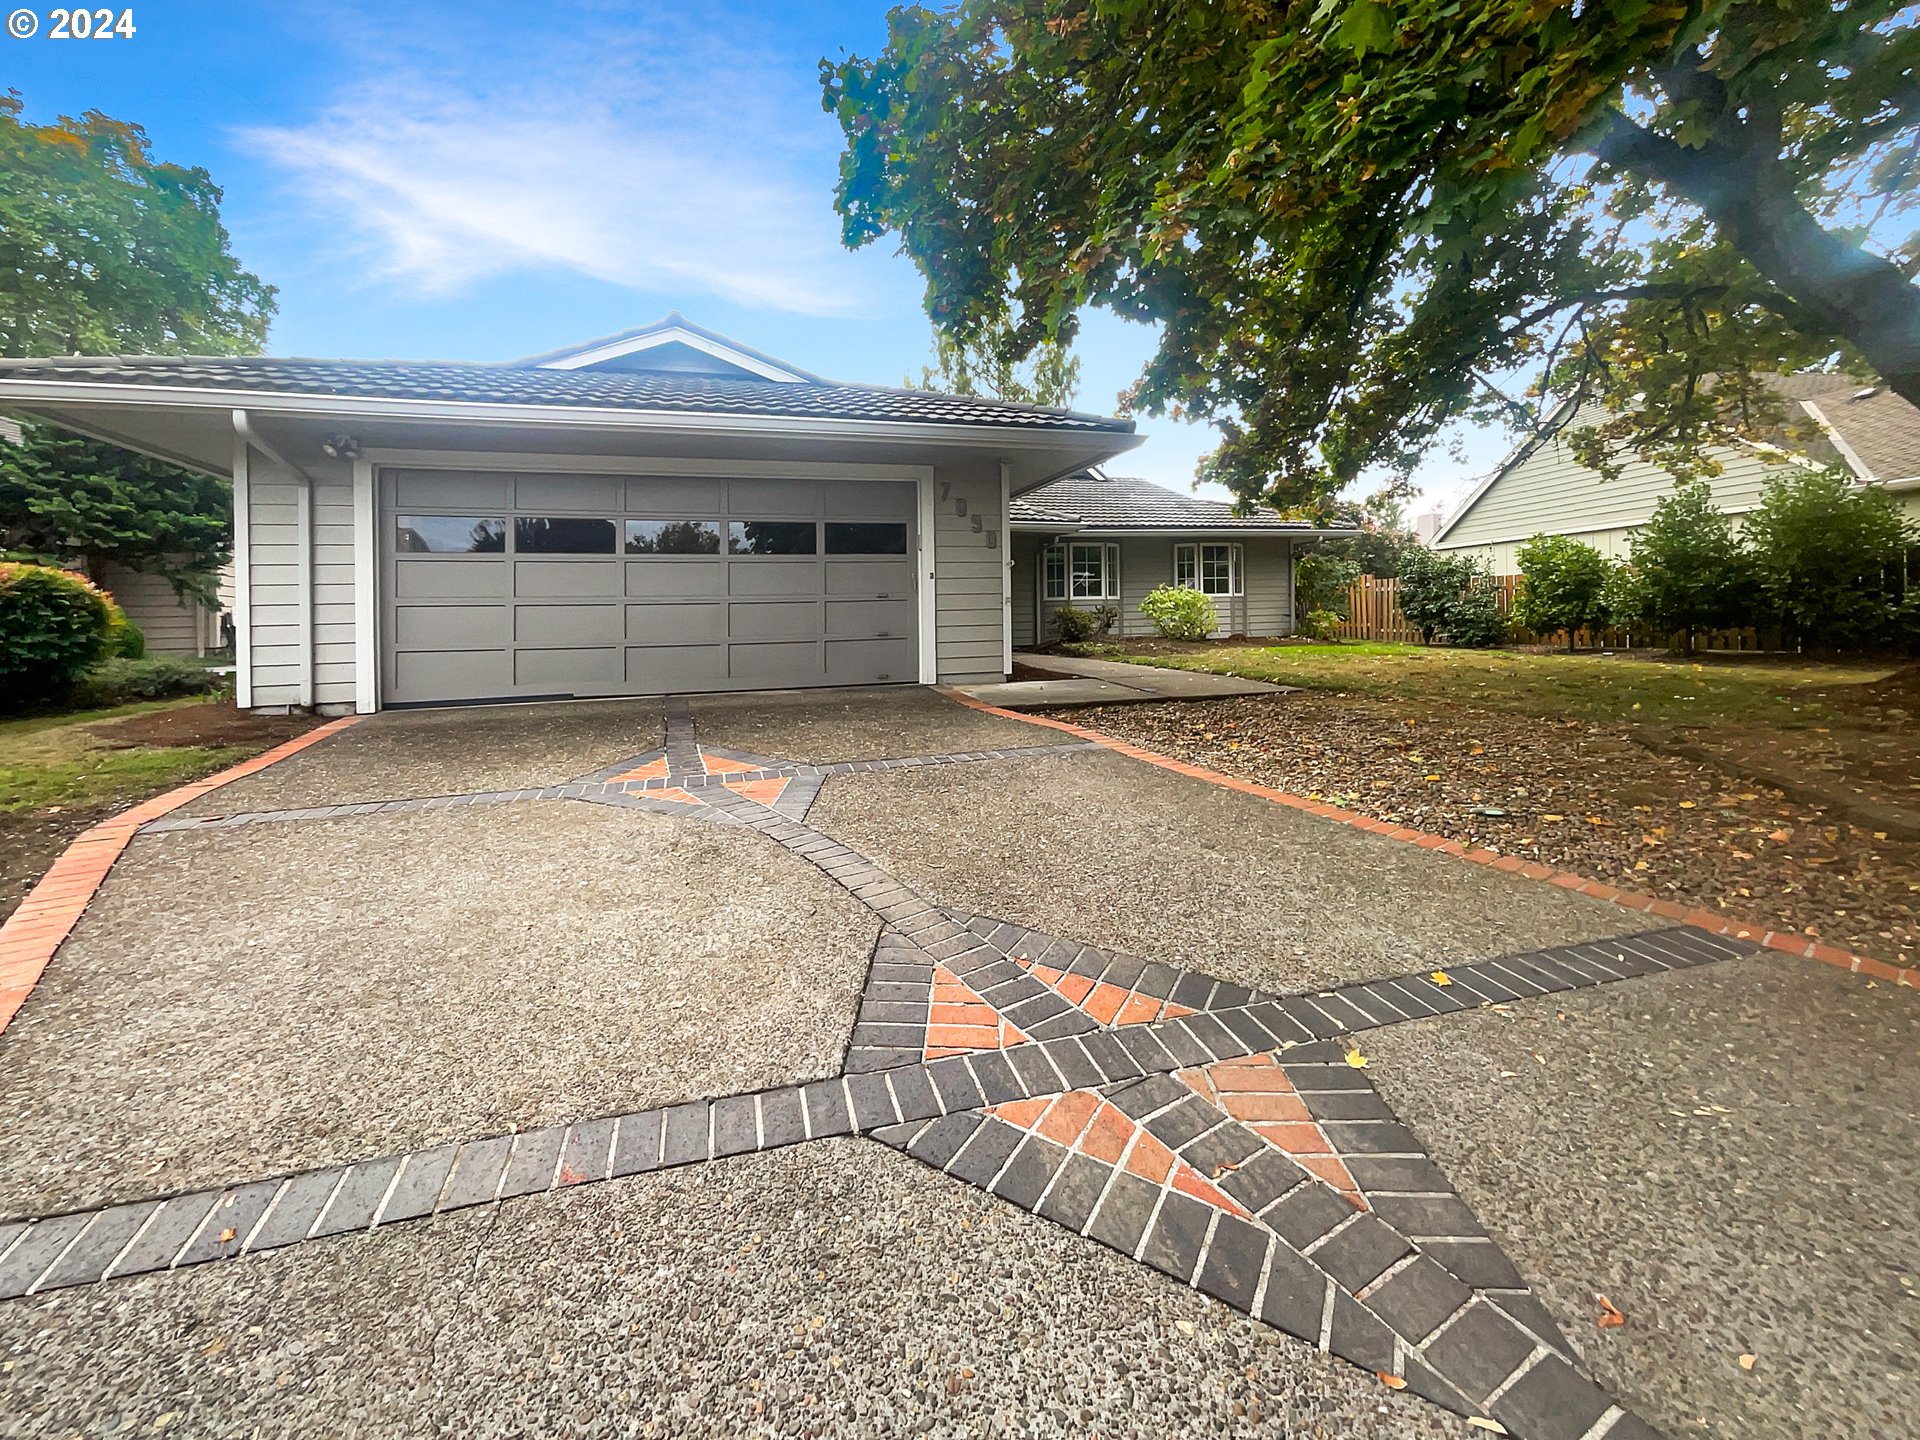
pixel 1727 1155
pixel 241 1003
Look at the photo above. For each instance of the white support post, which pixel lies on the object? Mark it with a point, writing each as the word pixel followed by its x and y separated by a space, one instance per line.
pixel 242 572
pixel 366 590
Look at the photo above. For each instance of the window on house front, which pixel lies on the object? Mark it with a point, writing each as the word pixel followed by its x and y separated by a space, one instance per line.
pixel 1082 572
pixel 1210 569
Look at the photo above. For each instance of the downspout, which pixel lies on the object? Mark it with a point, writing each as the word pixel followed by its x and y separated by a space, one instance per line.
pixel 302 552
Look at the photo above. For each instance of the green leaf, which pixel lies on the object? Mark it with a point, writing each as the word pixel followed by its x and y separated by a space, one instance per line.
pixel 1366 25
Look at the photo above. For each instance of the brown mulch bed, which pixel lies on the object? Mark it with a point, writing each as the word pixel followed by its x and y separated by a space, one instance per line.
pixel 1577 796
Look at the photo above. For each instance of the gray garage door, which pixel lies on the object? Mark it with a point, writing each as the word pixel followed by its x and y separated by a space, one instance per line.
pixel 501 586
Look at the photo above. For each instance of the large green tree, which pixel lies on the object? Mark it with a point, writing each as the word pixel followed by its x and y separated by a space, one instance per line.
pixel 994 364
pixel 105 250
pixel 67 499
pixel 1358 221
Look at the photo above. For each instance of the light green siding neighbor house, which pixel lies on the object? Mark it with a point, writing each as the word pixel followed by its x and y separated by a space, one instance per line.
pixel 1543 489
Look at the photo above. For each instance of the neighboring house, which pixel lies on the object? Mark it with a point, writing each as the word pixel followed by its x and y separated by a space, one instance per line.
pixel 1542 488
pixel 1090 540
pixel 171 625
pixel 660 510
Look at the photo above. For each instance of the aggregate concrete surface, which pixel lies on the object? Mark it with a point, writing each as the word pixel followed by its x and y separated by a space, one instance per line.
pixel 1727 1154
pixel 838 1289
pixel 1113 852
pixel 398 754
pixel 240 1003
pixel 817 727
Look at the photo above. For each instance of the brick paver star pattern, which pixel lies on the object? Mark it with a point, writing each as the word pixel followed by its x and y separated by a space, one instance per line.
pixel 1226 1137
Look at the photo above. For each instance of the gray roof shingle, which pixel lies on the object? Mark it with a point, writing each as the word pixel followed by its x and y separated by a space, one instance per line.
pixel 1123 502
pixel 478 383
pixel 1876 424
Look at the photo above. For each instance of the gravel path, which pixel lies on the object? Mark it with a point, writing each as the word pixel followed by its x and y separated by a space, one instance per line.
pixel 1726 1154
pixel 820 727
pixel 1116 853
pixel 834 1290
pixel 401 753
pixel 245 1002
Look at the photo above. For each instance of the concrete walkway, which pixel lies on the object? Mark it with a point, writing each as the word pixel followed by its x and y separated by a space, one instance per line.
pixel 1072 680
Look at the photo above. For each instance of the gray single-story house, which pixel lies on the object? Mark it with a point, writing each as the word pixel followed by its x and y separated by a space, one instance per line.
pixel 662 510
pixel 1092 540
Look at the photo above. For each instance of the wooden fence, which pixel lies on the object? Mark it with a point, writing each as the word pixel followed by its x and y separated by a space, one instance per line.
pixel 1373 611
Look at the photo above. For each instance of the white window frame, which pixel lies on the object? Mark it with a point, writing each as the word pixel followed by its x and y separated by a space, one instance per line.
pixel 1187 568
pixel 1058 580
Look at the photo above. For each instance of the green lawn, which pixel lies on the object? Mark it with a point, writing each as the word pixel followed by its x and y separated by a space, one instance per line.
pixel 49 760
pixel 1772 690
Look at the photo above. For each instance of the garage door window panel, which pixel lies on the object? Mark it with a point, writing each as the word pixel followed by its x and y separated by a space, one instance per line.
pixel 562 535
pixel 773 537
pixel 866 538
pixel 673 537
pixel 449 534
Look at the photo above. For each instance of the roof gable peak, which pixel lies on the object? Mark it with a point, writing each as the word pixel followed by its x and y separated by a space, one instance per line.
pixel 673 345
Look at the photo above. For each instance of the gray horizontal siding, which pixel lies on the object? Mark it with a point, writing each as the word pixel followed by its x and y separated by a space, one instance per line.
pixel 968 571
pixel 1550 492
pixel 1146 563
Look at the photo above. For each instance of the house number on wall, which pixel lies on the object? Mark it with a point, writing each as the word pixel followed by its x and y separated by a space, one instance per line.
pixel 960 509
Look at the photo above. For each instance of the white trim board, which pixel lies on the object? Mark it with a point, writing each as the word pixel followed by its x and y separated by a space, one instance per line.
pixel 676 335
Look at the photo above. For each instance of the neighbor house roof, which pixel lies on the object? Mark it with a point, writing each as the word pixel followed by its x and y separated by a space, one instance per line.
pixel 1875 431
pixel 1093 500
pixel 506 385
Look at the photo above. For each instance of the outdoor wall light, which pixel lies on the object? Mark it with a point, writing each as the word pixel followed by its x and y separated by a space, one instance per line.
pixel 341 447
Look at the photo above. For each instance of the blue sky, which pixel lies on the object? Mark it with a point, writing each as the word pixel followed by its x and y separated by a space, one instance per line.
pixel 483 180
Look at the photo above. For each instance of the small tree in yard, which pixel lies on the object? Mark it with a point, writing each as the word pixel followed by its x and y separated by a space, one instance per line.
pixel 1450 596
pixel 1180 612
pixel 1687 570
pixel 1563 585
pixel 1322 591
pixel 1829 558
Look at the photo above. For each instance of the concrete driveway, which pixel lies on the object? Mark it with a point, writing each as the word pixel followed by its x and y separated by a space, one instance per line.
pixel 863 1063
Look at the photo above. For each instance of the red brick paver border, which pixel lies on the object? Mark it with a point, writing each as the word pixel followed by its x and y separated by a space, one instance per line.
pixel 53 907
pixel 1707 920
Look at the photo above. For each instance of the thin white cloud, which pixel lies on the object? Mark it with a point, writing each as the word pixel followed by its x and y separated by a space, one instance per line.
pixel 656 162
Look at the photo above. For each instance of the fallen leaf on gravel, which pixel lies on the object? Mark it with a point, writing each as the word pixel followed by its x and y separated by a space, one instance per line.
pixel 1509 1074
pixel 1686 804
pixel 1747 1362
pixel 1553 817
pixel 1356 1059
pixel 1440 977
pixel 1481 1422
pixel 1781 836
pixel 228 1234
pixel 1610 1316
pixel 1392 1382
pixel 1185 1327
